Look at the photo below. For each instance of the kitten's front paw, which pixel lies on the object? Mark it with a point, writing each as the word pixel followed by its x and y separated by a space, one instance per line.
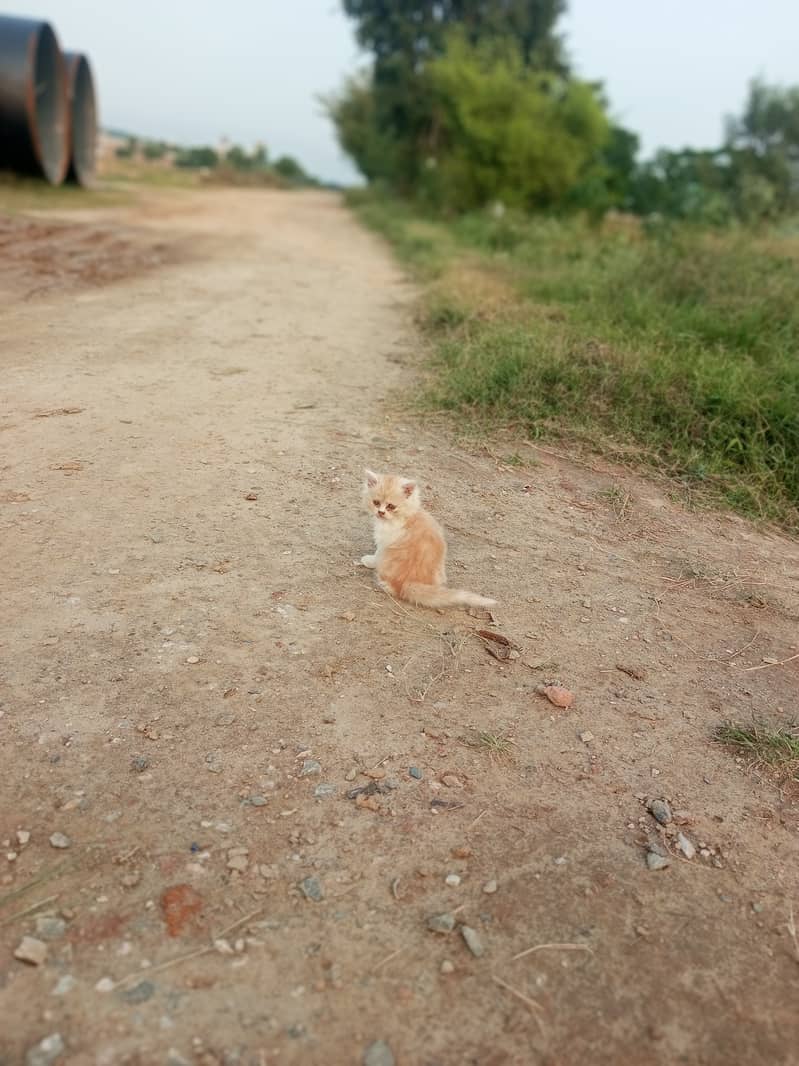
pixel 369 560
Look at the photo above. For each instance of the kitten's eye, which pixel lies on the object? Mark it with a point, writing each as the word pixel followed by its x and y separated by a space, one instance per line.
pixel 390 507
pixel 376 503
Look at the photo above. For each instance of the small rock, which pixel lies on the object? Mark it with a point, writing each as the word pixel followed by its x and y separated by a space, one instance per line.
pixel 130 880
pixel 174 1058
pixel 685 846
pixel 586 737
pixel 140 763
pixel 660 811
pixel 453 880
pixel 472 941
pixel 59 840
pixel 63 985
pixel 463 851
pixel 441 923
pixel 310 766
pixel 105 984
pixel 31 950
pixel 224 947
pixel 23 836
pixel 140 992
pixel 378 1054
pixel 451 781
pixel 192 660
pixel 239 863
pixel 50 928
pixel 325 791
pixel 447 967
pixel 557 696
pixel 350 775
pixel 256 801
pixel 490 888
pixel 46 1051
pixel 656 861
pixel 415 772
pixel 312 889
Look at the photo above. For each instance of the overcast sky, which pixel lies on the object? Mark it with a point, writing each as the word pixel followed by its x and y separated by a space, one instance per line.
pixel 193 70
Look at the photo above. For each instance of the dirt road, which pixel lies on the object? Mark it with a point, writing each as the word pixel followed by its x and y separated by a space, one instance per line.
pixel 195 674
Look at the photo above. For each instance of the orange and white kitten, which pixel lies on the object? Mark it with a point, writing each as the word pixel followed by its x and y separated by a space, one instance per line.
pixel 410 549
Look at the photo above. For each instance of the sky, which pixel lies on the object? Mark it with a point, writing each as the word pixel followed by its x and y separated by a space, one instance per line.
pixel 192 71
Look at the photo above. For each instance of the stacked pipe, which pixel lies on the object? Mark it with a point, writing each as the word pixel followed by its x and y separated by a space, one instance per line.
pixel 48 111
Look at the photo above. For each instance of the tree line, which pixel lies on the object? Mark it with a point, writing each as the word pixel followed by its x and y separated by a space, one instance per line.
pixel 472 102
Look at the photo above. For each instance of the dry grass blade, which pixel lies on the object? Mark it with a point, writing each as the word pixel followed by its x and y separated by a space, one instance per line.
pixel 531 1003
pixel 552 947
pixel 792 931
pixel 770 666
pixel 28 910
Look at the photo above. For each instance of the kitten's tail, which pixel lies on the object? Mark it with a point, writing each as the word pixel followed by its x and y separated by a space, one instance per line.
pixel 440 596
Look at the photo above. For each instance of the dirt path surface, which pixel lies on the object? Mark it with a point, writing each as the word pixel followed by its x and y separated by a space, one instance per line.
pixel 195 675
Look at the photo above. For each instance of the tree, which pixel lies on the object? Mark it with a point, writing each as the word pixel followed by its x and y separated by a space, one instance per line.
pixel 391 131
pixel 504 131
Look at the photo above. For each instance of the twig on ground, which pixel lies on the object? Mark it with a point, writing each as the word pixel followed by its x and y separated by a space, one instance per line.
pixel 768 666
pixel 387 959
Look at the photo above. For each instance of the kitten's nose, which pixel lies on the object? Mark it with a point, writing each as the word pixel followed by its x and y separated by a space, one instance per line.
pixel 381 514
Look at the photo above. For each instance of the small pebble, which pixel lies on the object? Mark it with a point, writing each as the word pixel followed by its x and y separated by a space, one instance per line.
pixel 415 772
pixel 378 1054
pixel 325 791
pixel 586 737
pixel 312 889
pixel 447 967
pixel 192 660
pixel 310 766
pixel 105 984
pixel 472 941
pixel 140 993
pixel 140 763
pixel 441 923
pixel 256 801
pixel 490 888
pixel 50 928
pixel 23 836
pixel 46 1051
pixel 656 861
pixel 453 880
pixel 660 811
pixel 685 846
pixel 31 950
pixel 350 775
pixel 59 840
pixel 451 781
pixel 63 985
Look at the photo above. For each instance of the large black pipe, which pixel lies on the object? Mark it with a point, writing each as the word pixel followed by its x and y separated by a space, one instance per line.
pixel 33 100
pixel 82 119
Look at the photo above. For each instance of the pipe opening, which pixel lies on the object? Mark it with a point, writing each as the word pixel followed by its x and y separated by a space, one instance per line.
pixel 83 120
pixel 49 130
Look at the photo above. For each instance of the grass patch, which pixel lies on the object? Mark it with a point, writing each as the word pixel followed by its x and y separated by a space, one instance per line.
pixel 676 349
pixel 763 745
pixel 19 194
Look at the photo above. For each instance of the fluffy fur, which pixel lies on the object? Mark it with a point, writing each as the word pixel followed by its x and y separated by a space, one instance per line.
pixel 410 550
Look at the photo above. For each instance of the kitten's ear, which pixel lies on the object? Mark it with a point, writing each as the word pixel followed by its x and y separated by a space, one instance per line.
pixel 371 478
pixel 408 487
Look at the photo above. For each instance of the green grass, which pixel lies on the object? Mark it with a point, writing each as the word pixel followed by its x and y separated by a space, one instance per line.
pixel 762 745
pixel 677 349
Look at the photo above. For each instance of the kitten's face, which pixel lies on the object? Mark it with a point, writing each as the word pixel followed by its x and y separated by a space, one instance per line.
pixel 390 498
